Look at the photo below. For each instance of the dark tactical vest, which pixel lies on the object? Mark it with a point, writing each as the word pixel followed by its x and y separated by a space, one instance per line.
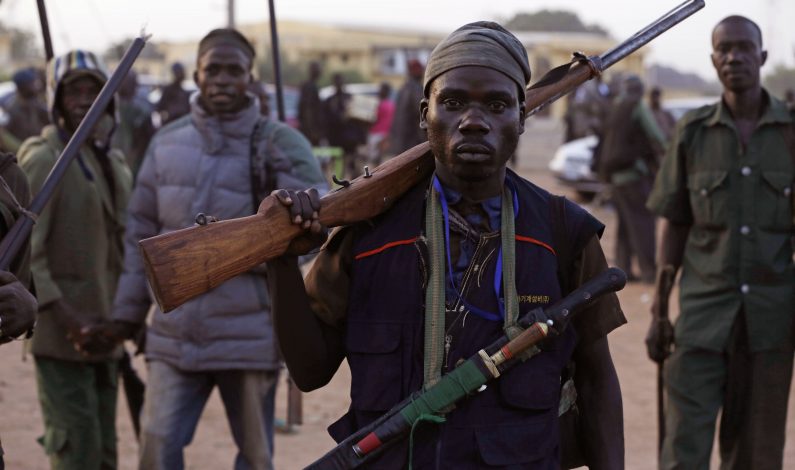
pixel 513 423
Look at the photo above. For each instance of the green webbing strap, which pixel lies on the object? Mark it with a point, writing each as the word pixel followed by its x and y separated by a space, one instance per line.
pixel 434 401
pixel 422 418
pixel 462 380
pixel 508 234
pixel 435 292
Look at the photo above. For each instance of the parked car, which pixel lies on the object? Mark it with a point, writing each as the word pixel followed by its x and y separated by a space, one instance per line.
pixel 571 163
pixel 369 89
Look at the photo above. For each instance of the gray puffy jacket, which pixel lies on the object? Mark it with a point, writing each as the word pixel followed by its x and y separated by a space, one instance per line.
pixel 201 163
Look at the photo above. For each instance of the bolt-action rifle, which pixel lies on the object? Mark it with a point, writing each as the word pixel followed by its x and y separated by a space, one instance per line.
pixel 186 263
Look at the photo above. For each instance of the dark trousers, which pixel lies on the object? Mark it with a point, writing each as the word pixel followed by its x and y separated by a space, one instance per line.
pixel 635 227
pixel 752 388
pixel 78 404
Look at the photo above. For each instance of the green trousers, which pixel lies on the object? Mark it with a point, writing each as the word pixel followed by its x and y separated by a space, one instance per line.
pixel 78 403
pixel 750 389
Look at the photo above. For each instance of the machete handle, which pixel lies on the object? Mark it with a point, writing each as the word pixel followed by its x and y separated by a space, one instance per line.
pixel 609 280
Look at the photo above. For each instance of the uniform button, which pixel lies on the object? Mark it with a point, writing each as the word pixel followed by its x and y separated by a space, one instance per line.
pixel 744 288
pixel 704 192
pixel 746 171
pixel 745 230
pixel 787 191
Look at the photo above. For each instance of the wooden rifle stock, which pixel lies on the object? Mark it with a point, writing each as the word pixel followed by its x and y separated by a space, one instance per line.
pixel 186 263
pixel 189 262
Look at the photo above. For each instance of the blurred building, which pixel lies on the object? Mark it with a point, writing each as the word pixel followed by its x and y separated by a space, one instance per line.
pixel 381 54
pixel 378 54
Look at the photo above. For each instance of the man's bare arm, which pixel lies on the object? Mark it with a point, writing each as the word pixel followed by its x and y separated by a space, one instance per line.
pixel 670 252
pixel 312 349
pixel 599 402
pixel 672 244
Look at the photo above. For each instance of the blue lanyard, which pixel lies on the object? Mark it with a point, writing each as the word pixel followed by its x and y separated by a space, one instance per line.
pixel 498 270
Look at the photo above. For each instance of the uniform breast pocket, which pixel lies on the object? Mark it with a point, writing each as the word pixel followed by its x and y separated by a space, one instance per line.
pixel 374 357
pixel 773 205
pixel 533 385
pixel 709 198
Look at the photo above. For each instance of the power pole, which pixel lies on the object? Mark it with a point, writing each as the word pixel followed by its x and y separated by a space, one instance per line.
pixel 230 13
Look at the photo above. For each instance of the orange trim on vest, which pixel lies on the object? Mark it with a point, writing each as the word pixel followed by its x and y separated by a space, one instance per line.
pixel 536 242
pixel 385 247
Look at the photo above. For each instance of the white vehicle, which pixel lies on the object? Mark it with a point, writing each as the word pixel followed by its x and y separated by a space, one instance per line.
pixel 571 163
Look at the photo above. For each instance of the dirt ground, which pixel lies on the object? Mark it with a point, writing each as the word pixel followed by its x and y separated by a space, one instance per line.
pixel 212 447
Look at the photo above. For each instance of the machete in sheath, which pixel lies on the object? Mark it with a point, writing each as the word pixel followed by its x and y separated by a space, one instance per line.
pixel 488 364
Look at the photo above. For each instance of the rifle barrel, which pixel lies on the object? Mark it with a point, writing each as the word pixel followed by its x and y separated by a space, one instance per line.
pixel 642 37
pixel 16 237
pixel 606 60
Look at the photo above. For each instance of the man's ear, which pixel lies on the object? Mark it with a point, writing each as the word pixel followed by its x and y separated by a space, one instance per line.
pixel 764 57
pixel 196 77
pixel 424 113
pixel 522 117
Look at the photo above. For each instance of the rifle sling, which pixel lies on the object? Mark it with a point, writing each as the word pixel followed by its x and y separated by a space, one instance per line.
pixel 435 310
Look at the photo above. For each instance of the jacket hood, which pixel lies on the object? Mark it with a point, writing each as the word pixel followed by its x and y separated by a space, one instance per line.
pixel 75 62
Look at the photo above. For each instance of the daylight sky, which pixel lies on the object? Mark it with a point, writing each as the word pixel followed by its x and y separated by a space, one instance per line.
pixel 94 24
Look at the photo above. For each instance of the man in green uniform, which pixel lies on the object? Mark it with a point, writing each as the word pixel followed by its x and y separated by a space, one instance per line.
pixel 76 260
pixel 724 192
pixel 629 155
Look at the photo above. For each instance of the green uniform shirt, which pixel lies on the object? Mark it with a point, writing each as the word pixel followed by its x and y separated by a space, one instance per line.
pixel 642 114
pixel 76 243
pixel 737 202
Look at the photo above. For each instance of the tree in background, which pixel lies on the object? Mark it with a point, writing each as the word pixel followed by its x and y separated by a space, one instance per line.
pixel 552 20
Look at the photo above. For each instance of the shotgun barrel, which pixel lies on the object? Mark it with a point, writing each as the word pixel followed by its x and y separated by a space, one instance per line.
pixel 186 263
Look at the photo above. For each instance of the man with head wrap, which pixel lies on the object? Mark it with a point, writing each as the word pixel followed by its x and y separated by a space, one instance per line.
pixel 76 260
pixel 221 160
pixel 407 295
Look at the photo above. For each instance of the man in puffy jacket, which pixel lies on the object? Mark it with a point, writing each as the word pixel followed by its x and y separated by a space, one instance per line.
pixel 220 160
